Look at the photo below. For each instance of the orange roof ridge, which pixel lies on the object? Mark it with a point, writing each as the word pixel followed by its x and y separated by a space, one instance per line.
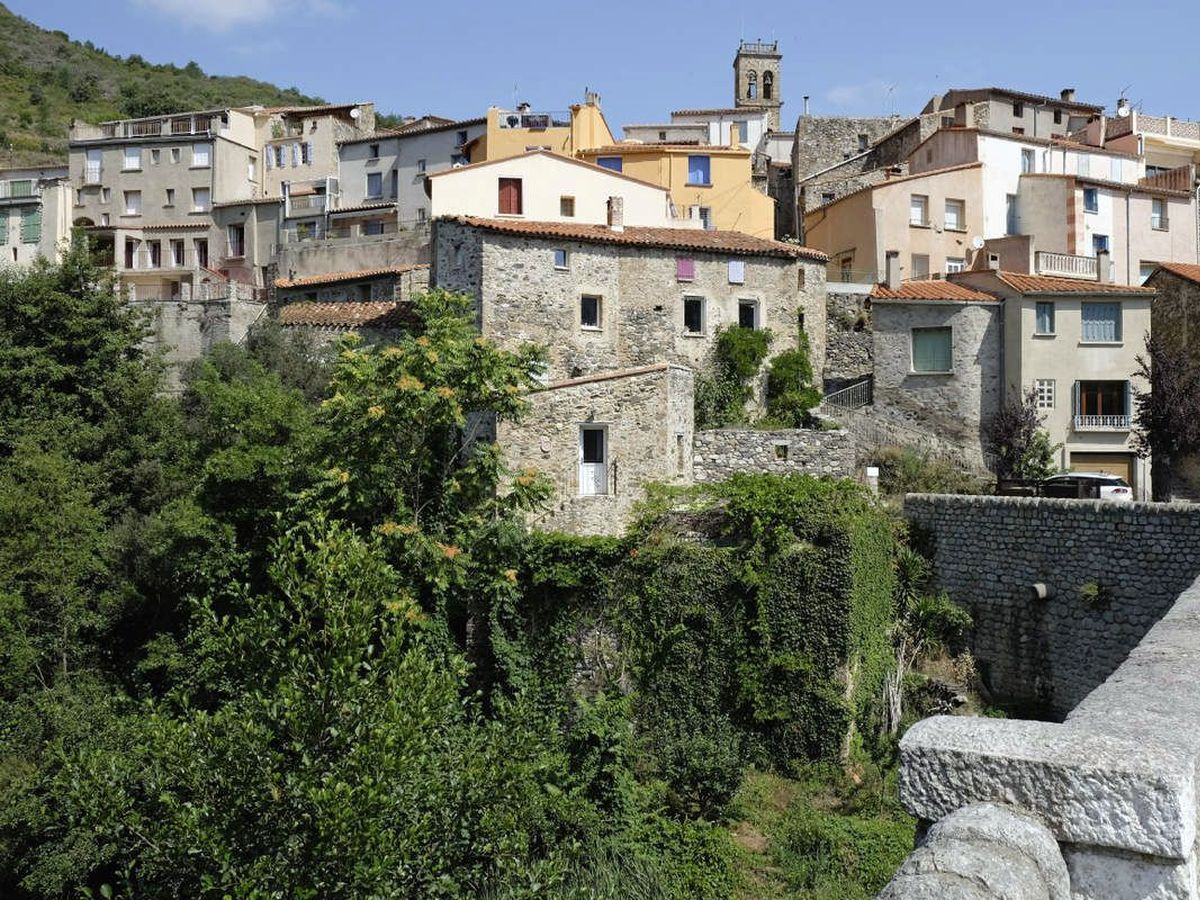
pixel 1054 284
pixel 1190 271
pixel 931 289
pixel 335 277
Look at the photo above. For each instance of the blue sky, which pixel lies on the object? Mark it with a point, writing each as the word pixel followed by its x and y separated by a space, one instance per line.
pixel 651 56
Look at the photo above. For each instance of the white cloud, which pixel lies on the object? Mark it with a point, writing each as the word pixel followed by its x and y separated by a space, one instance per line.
pixel 225 15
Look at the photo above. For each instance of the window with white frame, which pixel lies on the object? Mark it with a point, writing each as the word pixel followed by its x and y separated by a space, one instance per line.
pixel 133 158
pixel 201 156
pixel 201 199
pixel 748 314
pixel 561 258
pixel 932 350
pixel 1044 318
pixel 955 264
pixel 590 311
pixel 918 209
pixel 955 215
pixel 133 203
pixel 1043 390
pixel 1091 200
pixel 1158 214
pixel 693 315
pixel 593 460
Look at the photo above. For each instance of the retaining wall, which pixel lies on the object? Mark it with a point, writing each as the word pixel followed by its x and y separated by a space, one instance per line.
pixel 719 453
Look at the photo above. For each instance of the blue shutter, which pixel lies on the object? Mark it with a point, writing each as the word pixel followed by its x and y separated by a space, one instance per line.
pixel 699 170
pixel 1075 404
pixel 1128 399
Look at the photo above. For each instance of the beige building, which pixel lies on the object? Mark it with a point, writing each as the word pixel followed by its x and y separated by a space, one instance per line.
pixel 1076 343
pixel 35 214
pixel 543 186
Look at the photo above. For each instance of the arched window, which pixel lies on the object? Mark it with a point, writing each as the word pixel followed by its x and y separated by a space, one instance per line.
pixel 752 86
pixel 768 85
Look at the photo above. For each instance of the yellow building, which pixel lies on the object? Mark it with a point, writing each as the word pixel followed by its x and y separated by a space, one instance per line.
pixel 513 132
pixel 706 182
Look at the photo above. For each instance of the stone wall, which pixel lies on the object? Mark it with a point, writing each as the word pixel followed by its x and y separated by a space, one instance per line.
pixel 188 329
pixel 648 416
pixel 720 453
pixel 1110 570
pixel 524 298
pixel 1114 784
pixel 849 351
pixel 316 257
pixel 952 407
pixel 391 286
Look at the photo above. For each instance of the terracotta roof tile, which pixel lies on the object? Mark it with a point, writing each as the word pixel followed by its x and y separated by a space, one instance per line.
pixel 654 147
pixel 337 277
pixel 930 289
pixel 1190 271
pixel 373 314
pixel 1050 284
pixel 412 129
pixel 692 239
pixel 364 207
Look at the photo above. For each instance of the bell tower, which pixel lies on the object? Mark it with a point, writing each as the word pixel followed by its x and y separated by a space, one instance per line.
pixel 756 82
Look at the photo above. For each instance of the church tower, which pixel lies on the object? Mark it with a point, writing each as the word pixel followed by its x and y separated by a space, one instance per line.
pixel 756 78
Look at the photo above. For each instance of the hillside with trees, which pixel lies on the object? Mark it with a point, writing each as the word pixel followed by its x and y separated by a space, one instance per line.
pixel 47 79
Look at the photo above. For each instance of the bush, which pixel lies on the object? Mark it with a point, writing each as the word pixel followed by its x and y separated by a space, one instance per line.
pixel 843 857
pixel 790 391
pixel 904 471
pixel 723 391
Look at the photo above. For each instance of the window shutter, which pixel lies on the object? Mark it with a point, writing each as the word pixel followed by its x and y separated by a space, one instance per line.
pixel 295 155
pixel 309 151
pixel 270 158
pixel 1128 400
pixel 685 268
pixel 1075 402
pixel 31 226
pixel 4 226
pixel 737 271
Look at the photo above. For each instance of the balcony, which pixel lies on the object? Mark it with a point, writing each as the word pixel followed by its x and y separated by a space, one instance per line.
pixel 165 260
pixel 306 205
pixel 159 126
pixel 1065 265
pixel 536 121
pixel 1102 423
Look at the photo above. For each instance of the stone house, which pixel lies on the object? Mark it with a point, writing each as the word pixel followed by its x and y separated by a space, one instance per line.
pixel 398 282
pixel 937 349
pixel 1175 310
pixel 35 214
pixel 604 298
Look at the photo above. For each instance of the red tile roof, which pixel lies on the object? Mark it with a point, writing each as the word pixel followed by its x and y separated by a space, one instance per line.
pixel 364 207
pixel 691 239
pixel 373 314
pixel 558 157
pixel 1050 284
pixel 412 129
pixel 655 147
pixel 337 277
pixel 930 289
pixel 1190 271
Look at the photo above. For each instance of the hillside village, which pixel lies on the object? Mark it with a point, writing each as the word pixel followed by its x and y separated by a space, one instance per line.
pixel 993 243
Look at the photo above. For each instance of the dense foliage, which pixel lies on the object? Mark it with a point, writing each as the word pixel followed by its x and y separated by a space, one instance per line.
pixel 1167 412
pixel 288 634
pixel 791 394
pixel 1016 441
pixel 726 386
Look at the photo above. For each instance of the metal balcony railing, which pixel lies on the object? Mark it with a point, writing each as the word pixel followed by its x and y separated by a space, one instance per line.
pixel 1102 423
pixel 854 396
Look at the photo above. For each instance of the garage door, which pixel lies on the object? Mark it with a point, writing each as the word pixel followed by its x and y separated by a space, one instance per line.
pixel 1110 463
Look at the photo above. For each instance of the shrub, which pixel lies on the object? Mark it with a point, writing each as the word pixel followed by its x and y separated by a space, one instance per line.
pixel 722 392
pixel 905 471
pixel 790 391
pixel 840 856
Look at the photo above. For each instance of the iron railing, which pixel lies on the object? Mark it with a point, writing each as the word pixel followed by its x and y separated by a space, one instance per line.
pixel 1102 423
pixel 854 396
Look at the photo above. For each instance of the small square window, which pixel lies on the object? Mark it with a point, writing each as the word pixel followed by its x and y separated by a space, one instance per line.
pixel 781 452
pixel 374 151
pixel 685 268
pixel 560 259
pixel 693 315
pixel 566 207
pixel 932 350
pixel 589 311
pixel 1044 393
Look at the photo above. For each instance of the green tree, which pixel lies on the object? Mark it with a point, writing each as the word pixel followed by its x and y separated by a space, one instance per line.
pixel 1019 446
pixel 791 393
pixel 1166 414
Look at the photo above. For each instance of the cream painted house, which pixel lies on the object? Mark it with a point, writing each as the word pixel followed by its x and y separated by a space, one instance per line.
pixel 542 186
pixel 35 214
pixel 931 219
pixel 1075 343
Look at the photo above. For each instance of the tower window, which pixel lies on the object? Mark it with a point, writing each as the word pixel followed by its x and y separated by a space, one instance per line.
pixel 752 86
pixel 768 85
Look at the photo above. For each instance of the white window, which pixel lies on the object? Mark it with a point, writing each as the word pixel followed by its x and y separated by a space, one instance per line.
pixel 1158 214
pixel 133 158
pixel 1101 322
pixel 252 169
pixel 561 259
pixel 105 219
pixel 201 156
pixel 1028 161
pixel 201 200
pixel 918 210
pixel 170 201
pixel 920 266
pixel 374 185
pixel 693 315
pixel 1082 164
pixel 955 264
pixel 133 203
pixel 955 215
pixel 1044 393
pixel 1114 168
pixel 590 309
pixel 737 271
pixel 593 460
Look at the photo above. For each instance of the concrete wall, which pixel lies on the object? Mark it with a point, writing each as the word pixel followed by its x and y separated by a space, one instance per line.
pixel 953 406
pixel 545 180
pixel 648 416
pixel 1048 654
pixel 353 254
pixel 719 453
pixel 523 298
pixel 187 330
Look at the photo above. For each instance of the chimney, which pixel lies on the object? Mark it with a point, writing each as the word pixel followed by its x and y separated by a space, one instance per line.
pixel 806 105
pixel 892 269
pixel 1103 267
pixel 1068 95
pixel 616 213
pixel 993 260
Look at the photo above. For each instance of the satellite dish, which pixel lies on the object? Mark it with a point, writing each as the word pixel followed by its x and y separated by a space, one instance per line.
pixel 977 243
pixel 355 113
pixel 1123 112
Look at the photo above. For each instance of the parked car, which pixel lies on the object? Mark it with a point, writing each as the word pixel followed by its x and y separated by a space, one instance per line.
pixel 1096 485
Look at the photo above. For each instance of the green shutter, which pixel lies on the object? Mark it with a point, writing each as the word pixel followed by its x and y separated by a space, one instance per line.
pixel 931 350
pixel 3 226
pixel 31 225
